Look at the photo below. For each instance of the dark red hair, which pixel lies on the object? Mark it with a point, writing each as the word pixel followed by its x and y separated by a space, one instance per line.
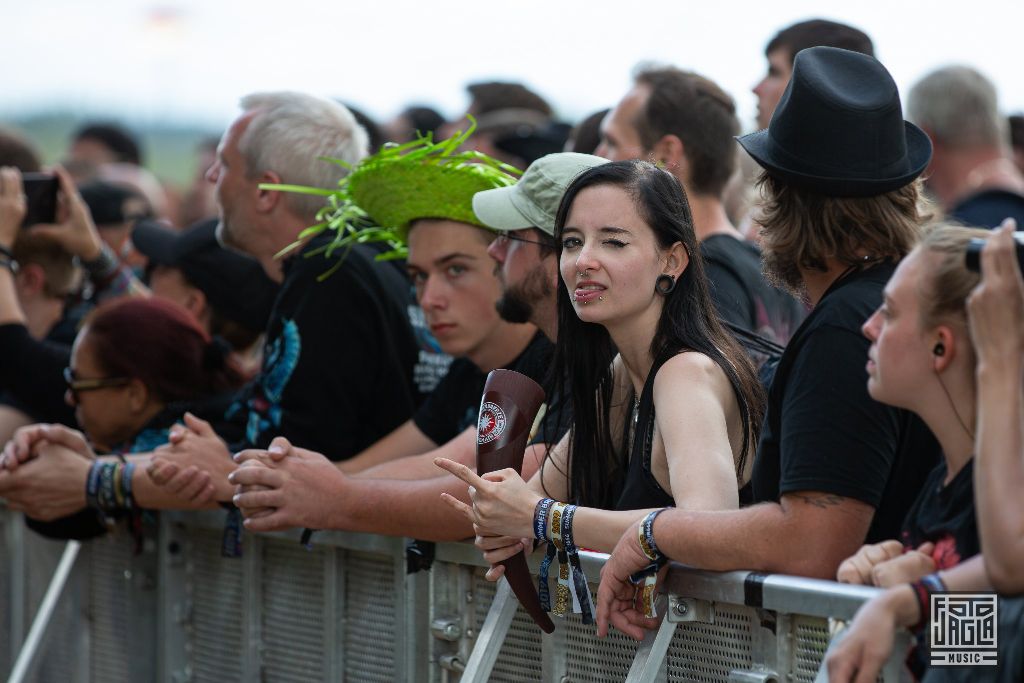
pixel 163 345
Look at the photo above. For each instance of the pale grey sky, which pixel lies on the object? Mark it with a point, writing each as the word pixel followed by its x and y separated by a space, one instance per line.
pixel 193 59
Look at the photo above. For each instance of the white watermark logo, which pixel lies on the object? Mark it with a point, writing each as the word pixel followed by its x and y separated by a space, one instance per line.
pixel 963 629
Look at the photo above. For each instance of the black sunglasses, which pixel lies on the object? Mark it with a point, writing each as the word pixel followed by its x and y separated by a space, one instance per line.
pixel 77 386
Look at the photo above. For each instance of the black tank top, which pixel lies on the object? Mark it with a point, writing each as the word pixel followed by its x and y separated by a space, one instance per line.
pixel 641 490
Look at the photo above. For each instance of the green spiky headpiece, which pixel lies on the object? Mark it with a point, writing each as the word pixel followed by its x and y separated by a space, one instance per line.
pixel 387 191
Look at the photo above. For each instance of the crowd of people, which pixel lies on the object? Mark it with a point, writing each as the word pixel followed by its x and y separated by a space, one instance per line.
pixel 763 352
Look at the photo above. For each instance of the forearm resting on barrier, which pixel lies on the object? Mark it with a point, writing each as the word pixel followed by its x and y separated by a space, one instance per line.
pixel 404 441
pixel 808 534
pixel 868 642
pixel 421 465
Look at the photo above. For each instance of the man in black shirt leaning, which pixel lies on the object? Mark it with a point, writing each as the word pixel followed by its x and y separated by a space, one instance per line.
pixel 685 123
pixel 402 497
pixel 834 467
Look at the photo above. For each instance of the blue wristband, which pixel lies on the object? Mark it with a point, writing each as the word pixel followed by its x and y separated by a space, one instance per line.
pixel 126 483
pixel 92 485
pixel 540 518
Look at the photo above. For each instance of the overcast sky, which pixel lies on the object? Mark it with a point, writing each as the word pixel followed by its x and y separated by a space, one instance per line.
pixel 191 60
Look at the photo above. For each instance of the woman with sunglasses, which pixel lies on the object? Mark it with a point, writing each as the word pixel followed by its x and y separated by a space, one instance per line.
pixel 137 367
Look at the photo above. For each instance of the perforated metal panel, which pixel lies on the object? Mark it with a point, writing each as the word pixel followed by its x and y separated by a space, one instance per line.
pixel 113 623
pixel 369 634
pixel 706 653
pixel 293 612
pixel 519 660
pixel 810 641
pixel 589 658
pixel 215 590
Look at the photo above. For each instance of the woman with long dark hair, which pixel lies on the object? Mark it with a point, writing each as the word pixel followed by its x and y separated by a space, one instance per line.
pixel 666 405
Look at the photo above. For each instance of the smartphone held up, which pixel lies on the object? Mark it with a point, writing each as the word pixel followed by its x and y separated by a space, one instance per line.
pixel 41 198
pixel 973 255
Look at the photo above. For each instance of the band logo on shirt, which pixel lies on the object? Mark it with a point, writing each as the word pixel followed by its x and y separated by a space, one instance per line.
pixel 491 424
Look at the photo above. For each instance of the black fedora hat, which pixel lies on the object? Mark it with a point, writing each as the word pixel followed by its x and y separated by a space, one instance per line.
pixel 839 129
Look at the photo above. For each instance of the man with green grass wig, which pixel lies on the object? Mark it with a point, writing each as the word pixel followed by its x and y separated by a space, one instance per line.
pixel 417 199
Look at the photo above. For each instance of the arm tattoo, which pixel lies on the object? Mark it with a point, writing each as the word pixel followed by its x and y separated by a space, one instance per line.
pixel 821 500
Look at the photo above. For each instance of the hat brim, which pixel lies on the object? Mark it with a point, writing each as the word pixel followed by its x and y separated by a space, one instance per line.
pixel 496 209
pixel 765 152
pixel 156 242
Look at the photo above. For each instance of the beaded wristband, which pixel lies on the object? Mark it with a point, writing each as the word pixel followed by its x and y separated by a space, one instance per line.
pixel 540 518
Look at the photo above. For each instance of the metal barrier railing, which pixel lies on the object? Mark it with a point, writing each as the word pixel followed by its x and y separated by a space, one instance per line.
pixel 346 611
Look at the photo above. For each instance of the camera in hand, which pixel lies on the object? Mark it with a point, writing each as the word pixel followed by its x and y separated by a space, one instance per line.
pixel 973 255
pixel 41 195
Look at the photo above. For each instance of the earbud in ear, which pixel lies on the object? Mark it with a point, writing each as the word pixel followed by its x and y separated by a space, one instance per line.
pixel 939 350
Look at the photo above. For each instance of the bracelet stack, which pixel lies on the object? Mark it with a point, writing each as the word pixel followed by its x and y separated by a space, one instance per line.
pixel 923 589
pixel 647 578
pixel 108 487
pixel 552 522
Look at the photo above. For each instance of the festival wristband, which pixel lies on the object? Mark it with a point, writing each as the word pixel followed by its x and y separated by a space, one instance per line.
pixel 92 484
pixel 126 483
pixel 923 590
pixel 646 536
pixel 540 518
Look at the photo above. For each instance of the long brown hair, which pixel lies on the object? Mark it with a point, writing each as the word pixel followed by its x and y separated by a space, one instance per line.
pixel 584 351
pixel 802 230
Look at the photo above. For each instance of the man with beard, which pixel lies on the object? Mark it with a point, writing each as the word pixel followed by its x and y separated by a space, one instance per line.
pixel 286 487
pixel 834 468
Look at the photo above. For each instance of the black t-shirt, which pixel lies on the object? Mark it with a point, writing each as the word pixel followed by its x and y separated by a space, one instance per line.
pixel 742 295
pixel 338 361
pixel 31 378
pixel 823 432
pixel 988 208
pixel 944 515
pixel 455 403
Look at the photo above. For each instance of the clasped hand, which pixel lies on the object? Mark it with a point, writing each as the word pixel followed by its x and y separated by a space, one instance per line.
pixel 285 487
pixel 195 464
pixel 43 471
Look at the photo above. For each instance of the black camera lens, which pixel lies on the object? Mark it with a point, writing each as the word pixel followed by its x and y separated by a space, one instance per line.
pixel 973 256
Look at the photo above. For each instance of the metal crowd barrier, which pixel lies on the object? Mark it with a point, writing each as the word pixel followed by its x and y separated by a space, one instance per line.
pixel 179 612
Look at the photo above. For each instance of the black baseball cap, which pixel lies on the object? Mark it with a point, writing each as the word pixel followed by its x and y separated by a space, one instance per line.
pixel 235 285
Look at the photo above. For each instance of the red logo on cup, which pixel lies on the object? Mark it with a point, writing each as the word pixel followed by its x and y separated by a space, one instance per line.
pixel 492 423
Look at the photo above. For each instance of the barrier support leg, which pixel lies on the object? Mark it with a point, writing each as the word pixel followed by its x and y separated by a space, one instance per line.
pixel 492 635
pixel 649 664
pixel 28 657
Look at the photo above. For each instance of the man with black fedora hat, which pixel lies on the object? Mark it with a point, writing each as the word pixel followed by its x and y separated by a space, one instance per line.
pixel 834 468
